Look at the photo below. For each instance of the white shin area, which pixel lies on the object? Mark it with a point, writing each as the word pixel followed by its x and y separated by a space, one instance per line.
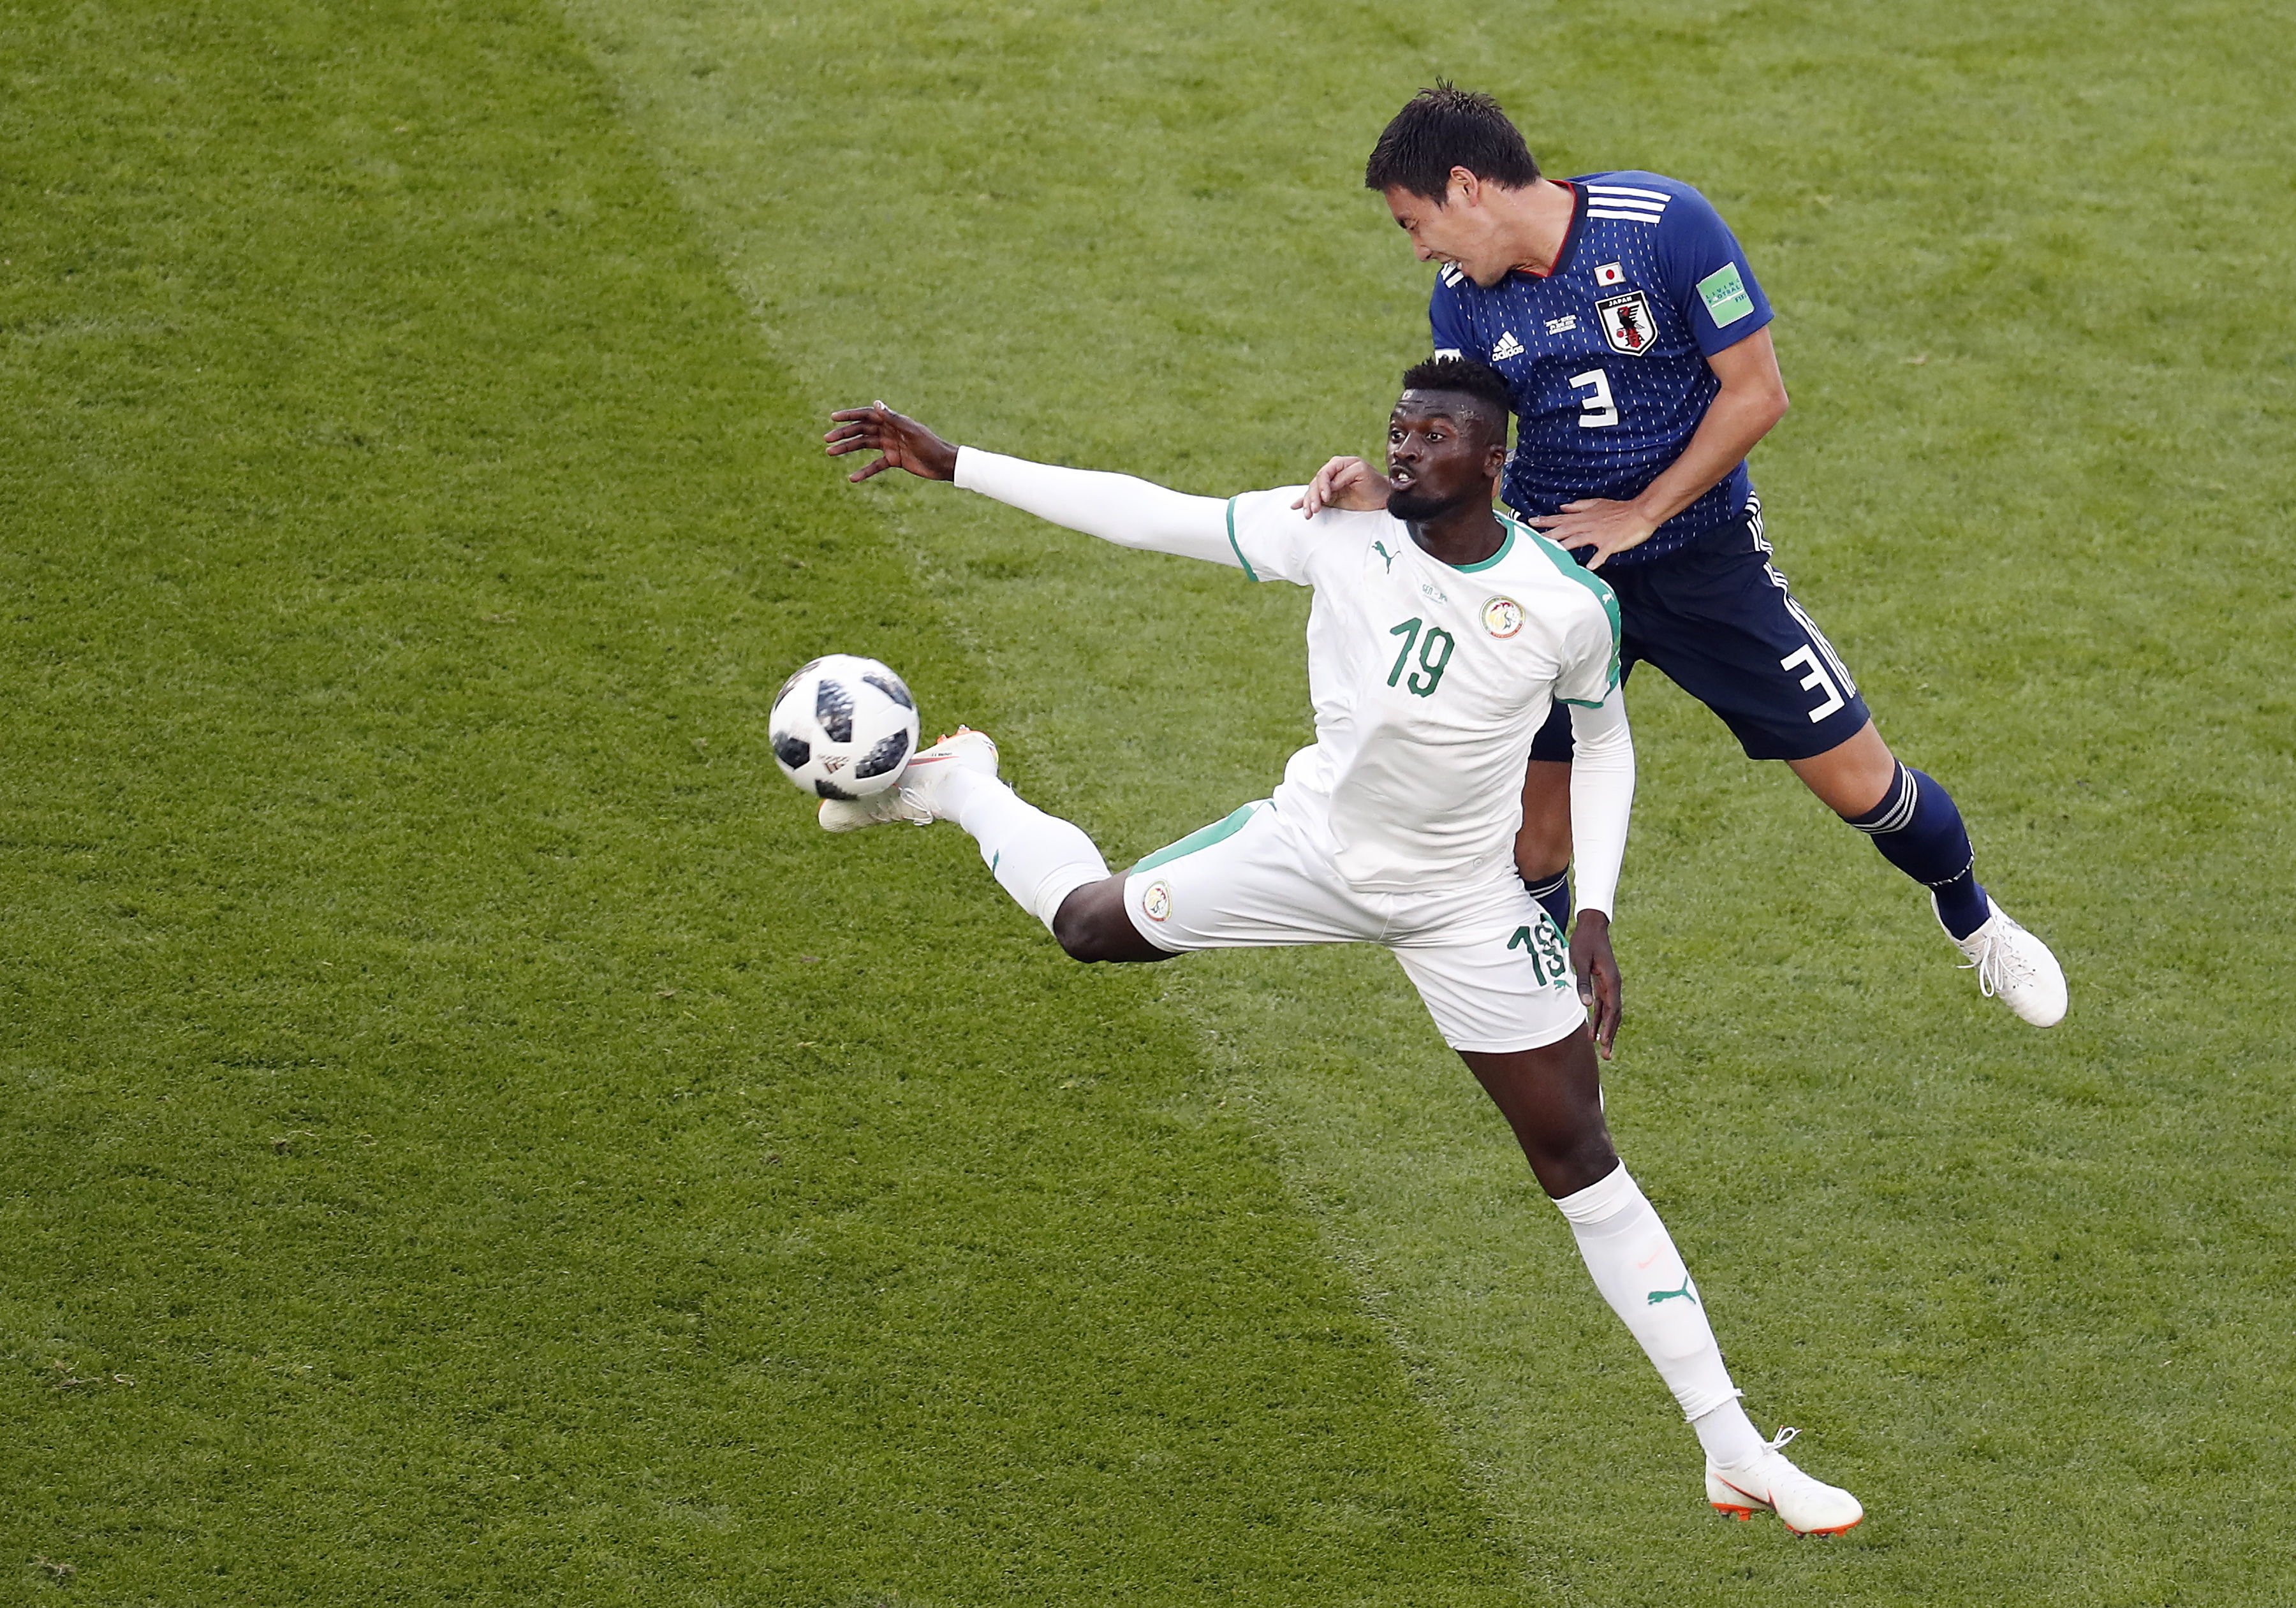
pixel 1038 859
pixel 1641 1273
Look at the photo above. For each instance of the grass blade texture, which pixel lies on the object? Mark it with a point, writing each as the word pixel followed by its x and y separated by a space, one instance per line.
pixel 465 1134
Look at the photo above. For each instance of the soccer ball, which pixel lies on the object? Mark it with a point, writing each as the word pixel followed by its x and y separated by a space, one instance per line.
pixel 843 727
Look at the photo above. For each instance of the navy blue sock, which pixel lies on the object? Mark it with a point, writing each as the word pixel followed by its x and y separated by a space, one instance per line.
pixel 1919 831
pixel 1553 896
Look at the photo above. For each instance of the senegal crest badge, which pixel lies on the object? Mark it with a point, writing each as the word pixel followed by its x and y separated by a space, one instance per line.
pixel 1627 322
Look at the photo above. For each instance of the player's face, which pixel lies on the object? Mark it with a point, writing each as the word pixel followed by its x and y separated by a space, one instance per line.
pixel 1455 229
pixel 1439 455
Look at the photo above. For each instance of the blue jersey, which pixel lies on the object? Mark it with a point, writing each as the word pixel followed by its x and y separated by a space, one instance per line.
pixel 1606 354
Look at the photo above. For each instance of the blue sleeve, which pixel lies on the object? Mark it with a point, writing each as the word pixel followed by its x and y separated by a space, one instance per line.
pixel 1707 275
pixel 1448 321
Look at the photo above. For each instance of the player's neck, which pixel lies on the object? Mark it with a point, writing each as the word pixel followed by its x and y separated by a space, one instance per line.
pixel 1468 535
pixel 1534 223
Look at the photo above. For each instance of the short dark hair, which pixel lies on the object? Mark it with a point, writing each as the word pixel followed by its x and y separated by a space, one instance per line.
pixel 1446 128
pixel 1466 377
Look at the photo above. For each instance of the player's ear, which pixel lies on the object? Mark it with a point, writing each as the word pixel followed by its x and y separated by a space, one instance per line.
pixel 1464 188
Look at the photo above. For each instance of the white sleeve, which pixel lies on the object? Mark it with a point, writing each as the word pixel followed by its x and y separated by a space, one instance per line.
pixel 1115 508
pixel 1591 671
pixel 1601 797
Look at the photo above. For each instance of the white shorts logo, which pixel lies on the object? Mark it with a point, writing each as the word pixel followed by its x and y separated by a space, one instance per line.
pixel 1157 901
pixel 1502 617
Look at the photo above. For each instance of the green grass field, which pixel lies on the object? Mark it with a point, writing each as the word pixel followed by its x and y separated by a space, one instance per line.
pixel 465 1136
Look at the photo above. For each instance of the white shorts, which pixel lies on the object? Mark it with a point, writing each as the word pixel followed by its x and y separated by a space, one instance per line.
pixel 1487 961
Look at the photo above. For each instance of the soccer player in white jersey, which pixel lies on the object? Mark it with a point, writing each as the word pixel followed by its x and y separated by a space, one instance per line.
pixel 1439 636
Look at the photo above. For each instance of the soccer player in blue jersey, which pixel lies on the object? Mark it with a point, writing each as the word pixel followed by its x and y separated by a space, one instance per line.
pixel 1635 340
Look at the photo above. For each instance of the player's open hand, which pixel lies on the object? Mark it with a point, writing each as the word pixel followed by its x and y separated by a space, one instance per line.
pixel 1348 483
pixel 904 443
pixel 1599 522
pixel 1597 971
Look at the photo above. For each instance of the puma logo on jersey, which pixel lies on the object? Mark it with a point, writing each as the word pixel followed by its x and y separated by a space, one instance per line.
pixel 1562 325
pixel 1508 347
pixel 1657 1295
pixel 1380 549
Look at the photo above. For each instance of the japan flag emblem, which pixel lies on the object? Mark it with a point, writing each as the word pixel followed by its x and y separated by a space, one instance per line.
pixel 1627 322
pixel 1610 273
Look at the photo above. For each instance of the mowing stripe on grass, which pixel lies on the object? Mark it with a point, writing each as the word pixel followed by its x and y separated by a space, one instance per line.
pixel 465 1134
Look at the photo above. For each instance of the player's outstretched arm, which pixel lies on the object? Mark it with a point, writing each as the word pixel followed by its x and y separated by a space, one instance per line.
pixel 1602 800
pixel 1121 508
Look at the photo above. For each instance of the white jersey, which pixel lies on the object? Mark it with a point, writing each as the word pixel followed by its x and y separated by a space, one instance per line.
pixel 1429 681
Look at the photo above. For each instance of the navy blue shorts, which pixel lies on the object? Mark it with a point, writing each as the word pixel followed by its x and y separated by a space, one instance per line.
pixel 1717 619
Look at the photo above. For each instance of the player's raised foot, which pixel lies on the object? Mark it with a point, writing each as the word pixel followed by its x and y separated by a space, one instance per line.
pixel 913 797
pixel 2012 964
pixel 1772 1484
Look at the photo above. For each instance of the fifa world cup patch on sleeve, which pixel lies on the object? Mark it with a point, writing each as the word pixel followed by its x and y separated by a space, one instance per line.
pixel 1157 901
pixel 1725 295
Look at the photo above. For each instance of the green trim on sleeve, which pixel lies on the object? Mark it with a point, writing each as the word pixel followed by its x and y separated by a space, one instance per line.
pixel 1593 583
pixel 1249 571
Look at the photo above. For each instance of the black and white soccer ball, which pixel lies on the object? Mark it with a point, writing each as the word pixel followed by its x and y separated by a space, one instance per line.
pixel 843 727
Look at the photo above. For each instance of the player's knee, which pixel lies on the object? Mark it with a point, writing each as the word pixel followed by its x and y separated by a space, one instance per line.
pixel 1572 1157
pixel 1081 930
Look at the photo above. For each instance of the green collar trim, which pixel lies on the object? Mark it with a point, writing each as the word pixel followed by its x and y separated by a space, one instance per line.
pixel 1505 548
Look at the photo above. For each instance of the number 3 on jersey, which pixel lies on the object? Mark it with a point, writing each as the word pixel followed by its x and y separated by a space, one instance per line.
pixel 1597 409
pixel 1434 654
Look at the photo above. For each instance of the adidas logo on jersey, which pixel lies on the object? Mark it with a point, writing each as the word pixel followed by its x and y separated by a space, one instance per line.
pixel 1626 201
pixel 1508 347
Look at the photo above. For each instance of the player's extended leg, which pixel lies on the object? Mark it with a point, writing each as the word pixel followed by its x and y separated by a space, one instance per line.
pixel 1048 865
pixel 1721 622
pixel 1913 822
pixel 1552 1098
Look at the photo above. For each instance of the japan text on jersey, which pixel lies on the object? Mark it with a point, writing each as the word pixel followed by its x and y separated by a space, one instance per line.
pixel 1606 354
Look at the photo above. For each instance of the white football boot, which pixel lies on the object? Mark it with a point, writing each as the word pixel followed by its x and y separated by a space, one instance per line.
pixel 2012 963
pixel 910 798
pixel 1771 1484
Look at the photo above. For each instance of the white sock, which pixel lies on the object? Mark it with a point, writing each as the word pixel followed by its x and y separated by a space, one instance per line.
pixel 1641 1274
pixel 1038 859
